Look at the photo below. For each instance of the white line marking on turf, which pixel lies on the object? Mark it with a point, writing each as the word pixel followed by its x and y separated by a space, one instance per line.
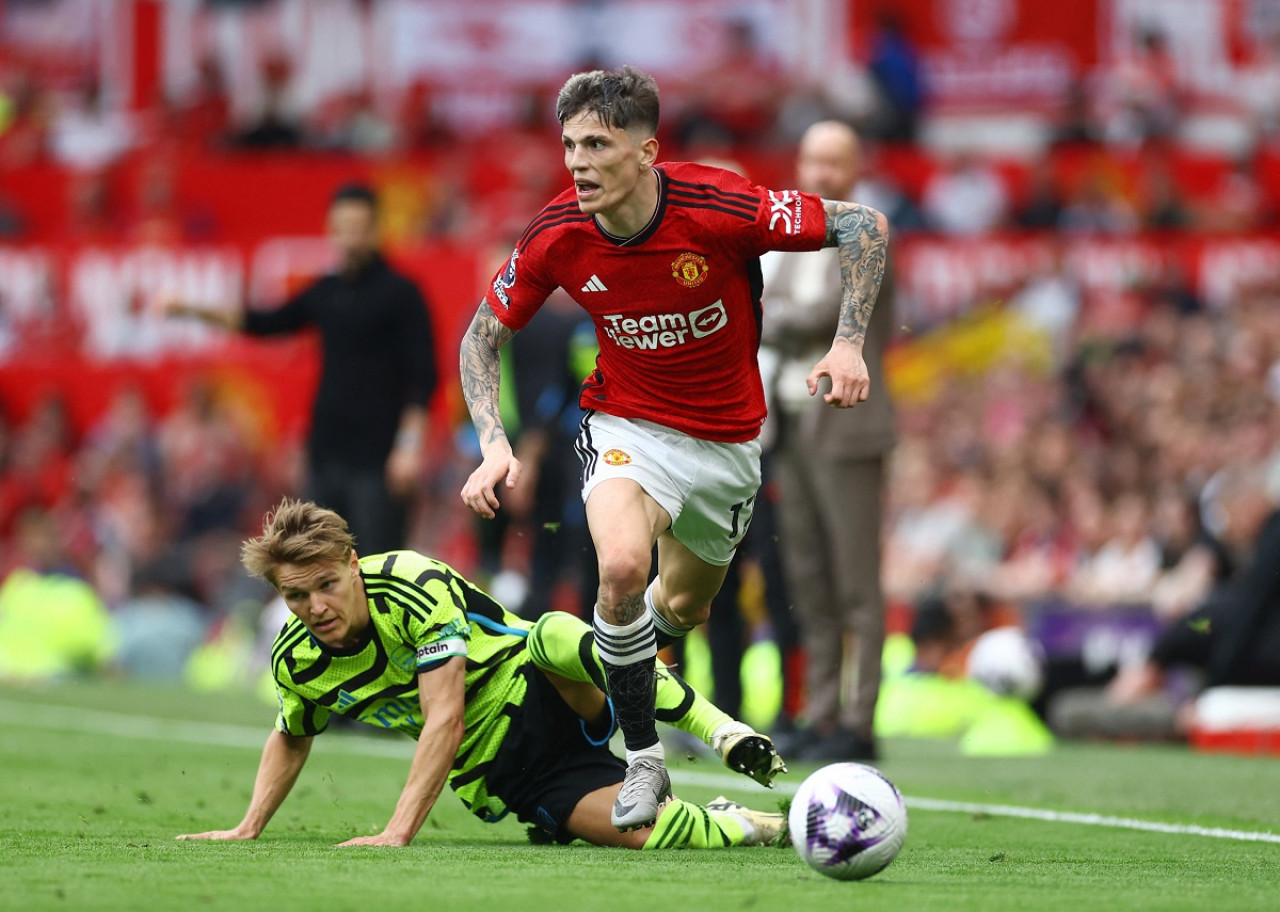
pixel 150 728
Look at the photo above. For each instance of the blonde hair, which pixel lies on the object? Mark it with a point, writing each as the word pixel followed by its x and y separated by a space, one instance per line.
pixel 296 532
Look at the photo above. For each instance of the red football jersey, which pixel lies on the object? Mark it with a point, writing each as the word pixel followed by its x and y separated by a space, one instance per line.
pixel 677 307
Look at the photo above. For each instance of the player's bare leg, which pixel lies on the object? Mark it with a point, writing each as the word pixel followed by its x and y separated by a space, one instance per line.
pixel 680 599
pixel 680 824
pixel 561 646
pixel 624 523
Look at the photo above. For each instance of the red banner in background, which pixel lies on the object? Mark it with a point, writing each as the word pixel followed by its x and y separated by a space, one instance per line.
pixel 80 323
pixel 989 54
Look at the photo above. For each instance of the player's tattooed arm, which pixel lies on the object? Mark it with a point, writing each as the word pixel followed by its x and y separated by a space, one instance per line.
pixel 481 370
pixel 861 235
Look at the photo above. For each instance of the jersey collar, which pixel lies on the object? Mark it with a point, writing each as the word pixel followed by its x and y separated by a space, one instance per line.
pixel 648 230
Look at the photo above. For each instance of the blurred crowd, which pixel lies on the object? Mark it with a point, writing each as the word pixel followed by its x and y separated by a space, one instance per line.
pixel 1081 470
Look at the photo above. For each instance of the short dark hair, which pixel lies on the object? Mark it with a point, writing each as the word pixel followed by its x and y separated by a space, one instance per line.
pixel 355 193
pixel 622 98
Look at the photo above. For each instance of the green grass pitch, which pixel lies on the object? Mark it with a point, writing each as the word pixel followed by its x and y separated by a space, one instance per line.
pixel 98 778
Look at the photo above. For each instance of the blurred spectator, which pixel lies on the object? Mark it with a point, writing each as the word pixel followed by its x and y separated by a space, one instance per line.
pixel 1191 561
pixel 1041 208
pixel 357 126
pixel 160 625
pixel 206 463
pixel 274 127
pixel 1125 568
pixel 1097 206
pixel 87 133
pixel 925 519
pixel 1234 637
pixel 1237 202
pixel 1163 206
pixel 1076 123
pixel 421 122
pixel 122 439
pixel 1140 97
pixel 24 140
pixel 877 189
pixel 965 197
pixel 1260 88
pixel 205 114
pixel 1050 302
pixel 38 472
pixel 734 100
pixel 378 372
pixel 52 623
pixel 894 65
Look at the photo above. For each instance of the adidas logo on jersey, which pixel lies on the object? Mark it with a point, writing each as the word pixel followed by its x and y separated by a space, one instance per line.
pixel 594 284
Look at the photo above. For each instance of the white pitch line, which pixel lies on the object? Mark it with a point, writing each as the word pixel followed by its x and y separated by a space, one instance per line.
pixel 150 728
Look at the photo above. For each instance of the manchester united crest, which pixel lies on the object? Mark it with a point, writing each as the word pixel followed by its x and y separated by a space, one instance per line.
pixel 616 458
pixel 689 269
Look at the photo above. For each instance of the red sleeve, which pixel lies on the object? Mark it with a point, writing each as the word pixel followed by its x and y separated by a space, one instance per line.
pixel 790 220
pixel 518 289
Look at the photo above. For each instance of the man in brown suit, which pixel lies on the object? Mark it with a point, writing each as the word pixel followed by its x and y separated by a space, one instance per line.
pixel 829 465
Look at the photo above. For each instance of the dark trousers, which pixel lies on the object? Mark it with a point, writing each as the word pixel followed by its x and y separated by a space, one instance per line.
pixel 1191 640
pixel 377 518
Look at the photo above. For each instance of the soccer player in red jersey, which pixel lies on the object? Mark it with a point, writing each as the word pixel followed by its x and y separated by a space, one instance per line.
pixel 664 257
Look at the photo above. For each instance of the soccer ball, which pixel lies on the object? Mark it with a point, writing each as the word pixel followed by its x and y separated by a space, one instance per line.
pixel 1007 662
pixel 847 821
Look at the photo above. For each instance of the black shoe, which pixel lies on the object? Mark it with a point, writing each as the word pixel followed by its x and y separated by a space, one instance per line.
pixel 842 744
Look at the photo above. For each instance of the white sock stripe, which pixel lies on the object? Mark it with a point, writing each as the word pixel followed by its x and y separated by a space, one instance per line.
pixel 634 653
pixel 671 630
pixel 604 640
pixel 602 626
pixel 631 658
pixel 626 644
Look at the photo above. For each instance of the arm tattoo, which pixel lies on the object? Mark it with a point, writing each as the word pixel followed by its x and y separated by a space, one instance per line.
pixel 480 369
pixel 862 236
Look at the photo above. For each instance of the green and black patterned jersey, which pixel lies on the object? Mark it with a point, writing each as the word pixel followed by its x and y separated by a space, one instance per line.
pixel 422 613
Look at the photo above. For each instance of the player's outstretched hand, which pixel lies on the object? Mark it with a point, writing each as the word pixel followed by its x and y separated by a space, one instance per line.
pixel 220 835
pixel 500 465
pixel 850 382
pixel 382 839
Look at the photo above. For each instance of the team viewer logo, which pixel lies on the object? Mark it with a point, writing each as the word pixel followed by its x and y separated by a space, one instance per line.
pixel 706 321
pixel 616 458
pixel 502 284
pixel 689 269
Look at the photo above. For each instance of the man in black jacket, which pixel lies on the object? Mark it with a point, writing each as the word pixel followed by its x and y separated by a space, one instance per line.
pixel 1234 636
pixel 379 372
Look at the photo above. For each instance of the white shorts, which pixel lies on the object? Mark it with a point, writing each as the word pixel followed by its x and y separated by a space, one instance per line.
pixel 708 488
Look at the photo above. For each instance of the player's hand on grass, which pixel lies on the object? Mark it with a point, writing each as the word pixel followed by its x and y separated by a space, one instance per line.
pixel 221 835
pixel 500 466
pixel 382 839
pixel 850 381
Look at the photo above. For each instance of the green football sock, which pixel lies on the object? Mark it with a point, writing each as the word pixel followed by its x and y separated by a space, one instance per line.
pixel 563 644
pixel 683 825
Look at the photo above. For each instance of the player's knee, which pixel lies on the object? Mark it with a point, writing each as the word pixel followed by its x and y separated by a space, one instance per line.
pixel 623 573
pixel 687 610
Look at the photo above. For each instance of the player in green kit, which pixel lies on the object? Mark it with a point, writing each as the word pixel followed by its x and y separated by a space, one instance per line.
pixel 511 714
